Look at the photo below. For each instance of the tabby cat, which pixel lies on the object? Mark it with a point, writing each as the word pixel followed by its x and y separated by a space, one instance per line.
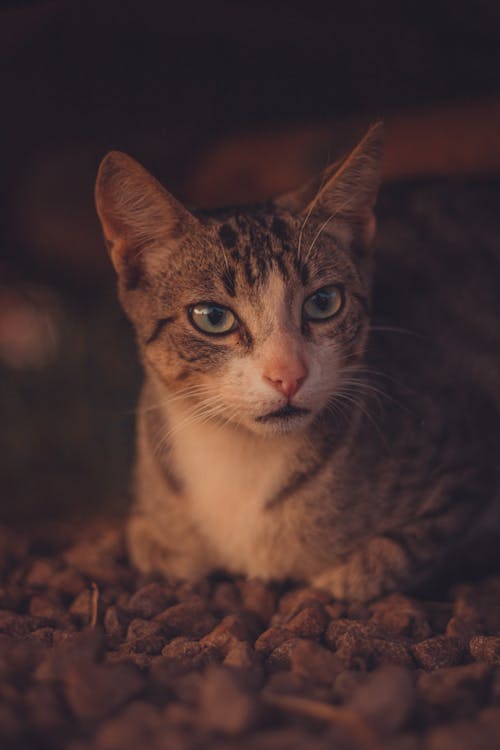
pixel 302 415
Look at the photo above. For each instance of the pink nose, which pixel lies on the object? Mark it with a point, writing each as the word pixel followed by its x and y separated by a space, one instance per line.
pixel 286 379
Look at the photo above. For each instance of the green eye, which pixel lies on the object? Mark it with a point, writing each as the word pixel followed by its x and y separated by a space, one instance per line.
pixel 213 319
pixel 323 304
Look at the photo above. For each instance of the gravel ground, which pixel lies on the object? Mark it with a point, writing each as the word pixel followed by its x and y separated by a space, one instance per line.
pixel 92 655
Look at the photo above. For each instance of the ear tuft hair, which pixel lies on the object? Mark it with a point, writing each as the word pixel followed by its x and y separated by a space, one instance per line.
pixel 345 192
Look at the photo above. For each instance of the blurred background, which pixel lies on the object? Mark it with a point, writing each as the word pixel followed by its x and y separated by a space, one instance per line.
pixel 224 102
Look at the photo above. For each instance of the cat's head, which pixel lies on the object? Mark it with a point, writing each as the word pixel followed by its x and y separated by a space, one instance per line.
pixel 253 315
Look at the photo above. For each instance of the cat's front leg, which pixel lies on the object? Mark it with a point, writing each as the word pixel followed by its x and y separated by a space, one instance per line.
pixel 379 567
pixel 153 552
pixel 401 558
pixel 396 560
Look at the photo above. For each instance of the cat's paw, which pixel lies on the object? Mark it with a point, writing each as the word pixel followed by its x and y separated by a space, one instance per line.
pixel 381 567
pixel 347 583
pixel 150 555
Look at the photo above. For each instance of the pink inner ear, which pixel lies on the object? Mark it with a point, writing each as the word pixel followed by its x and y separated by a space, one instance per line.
pixel 285 373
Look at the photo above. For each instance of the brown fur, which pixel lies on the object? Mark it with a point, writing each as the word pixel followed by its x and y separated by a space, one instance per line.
pixel 386 467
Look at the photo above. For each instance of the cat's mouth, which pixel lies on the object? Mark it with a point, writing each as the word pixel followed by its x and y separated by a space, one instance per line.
pixel 287 412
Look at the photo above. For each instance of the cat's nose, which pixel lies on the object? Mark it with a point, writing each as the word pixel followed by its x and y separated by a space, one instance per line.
pixel 286 379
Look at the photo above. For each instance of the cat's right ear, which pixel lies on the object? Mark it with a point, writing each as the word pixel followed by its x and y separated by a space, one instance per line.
pixel 343 197
pixel 139 218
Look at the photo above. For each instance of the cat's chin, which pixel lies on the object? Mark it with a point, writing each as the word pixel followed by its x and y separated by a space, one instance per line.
pixel 283 428
pixel 284 421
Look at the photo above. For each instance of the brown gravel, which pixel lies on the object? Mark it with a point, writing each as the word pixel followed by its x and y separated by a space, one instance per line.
pixel 94 656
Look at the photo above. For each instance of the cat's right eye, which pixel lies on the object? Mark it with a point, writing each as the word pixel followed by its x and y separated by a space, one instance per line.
pixel 323 304
pixel 213 319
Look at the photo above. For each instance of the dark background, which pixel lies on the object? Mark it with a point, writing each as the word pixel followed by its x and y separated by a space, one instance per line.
pixel 222 101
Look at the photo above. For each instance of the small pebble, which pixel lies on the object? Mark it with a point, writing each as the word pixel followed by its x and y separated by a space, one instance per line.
pixel 146 636
pixel 385 699
pixel 307 659
pixel 68 582
pixel 271 639
pixel 49 608
pixel 309 622
pixel 190 618
pixel 450 691
pixel 183 665
pixel 227 705
pixel 231 630
pixel 41 573
pixel 150 600
pixel 180 656
pixel 94 691
pixel 485 648
pixel 240 655
pixel 439 651
pixel 360 651
pixel 403 616
pixel 81 607
pixel 115 623
pixel 464 735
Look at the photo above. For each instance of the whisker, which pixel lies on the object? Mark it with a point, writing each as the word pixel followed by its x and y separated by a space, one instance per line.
pixel 208 408
pixel 335 408
pixel 378 392
pixel 349 397
pixel 178 396
pixel 229 419
pixel 362 369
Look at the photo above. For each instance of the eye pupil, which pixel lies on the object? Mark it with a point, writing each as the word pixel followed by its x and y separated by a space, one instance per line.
pixel 215 315
pixel 322 301
pixel 323 304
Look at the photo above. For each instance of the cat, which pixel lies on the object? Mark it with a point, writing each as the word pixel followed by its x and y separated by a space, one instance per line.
pixel 317 405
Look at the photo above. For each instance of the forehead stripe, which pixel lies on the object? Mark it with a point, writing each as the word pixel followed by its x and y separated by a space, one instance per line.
pixel 228 236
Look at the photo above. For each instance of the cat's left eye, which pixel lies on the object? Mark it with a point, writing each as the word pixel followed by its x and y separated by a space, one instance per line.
pixel 323 304
pixel 213 319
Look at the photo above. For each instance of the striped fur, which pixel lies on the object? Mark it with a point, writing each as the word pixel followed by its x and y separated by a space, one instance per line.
pixel 388 466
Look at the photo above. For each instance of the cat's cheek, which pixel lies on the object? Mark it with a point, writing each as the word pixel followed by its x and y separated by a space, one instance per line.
pixel 174 373
pixel 324 378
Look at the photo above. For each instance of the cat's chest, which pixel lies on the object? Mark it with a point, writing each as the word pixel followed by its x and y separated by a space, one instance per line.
pixel 229 480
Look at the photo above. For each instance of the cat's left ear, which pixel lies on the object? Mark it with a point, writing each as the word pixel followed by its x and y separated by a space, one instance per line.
pixel 141 221
pixel 344 194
